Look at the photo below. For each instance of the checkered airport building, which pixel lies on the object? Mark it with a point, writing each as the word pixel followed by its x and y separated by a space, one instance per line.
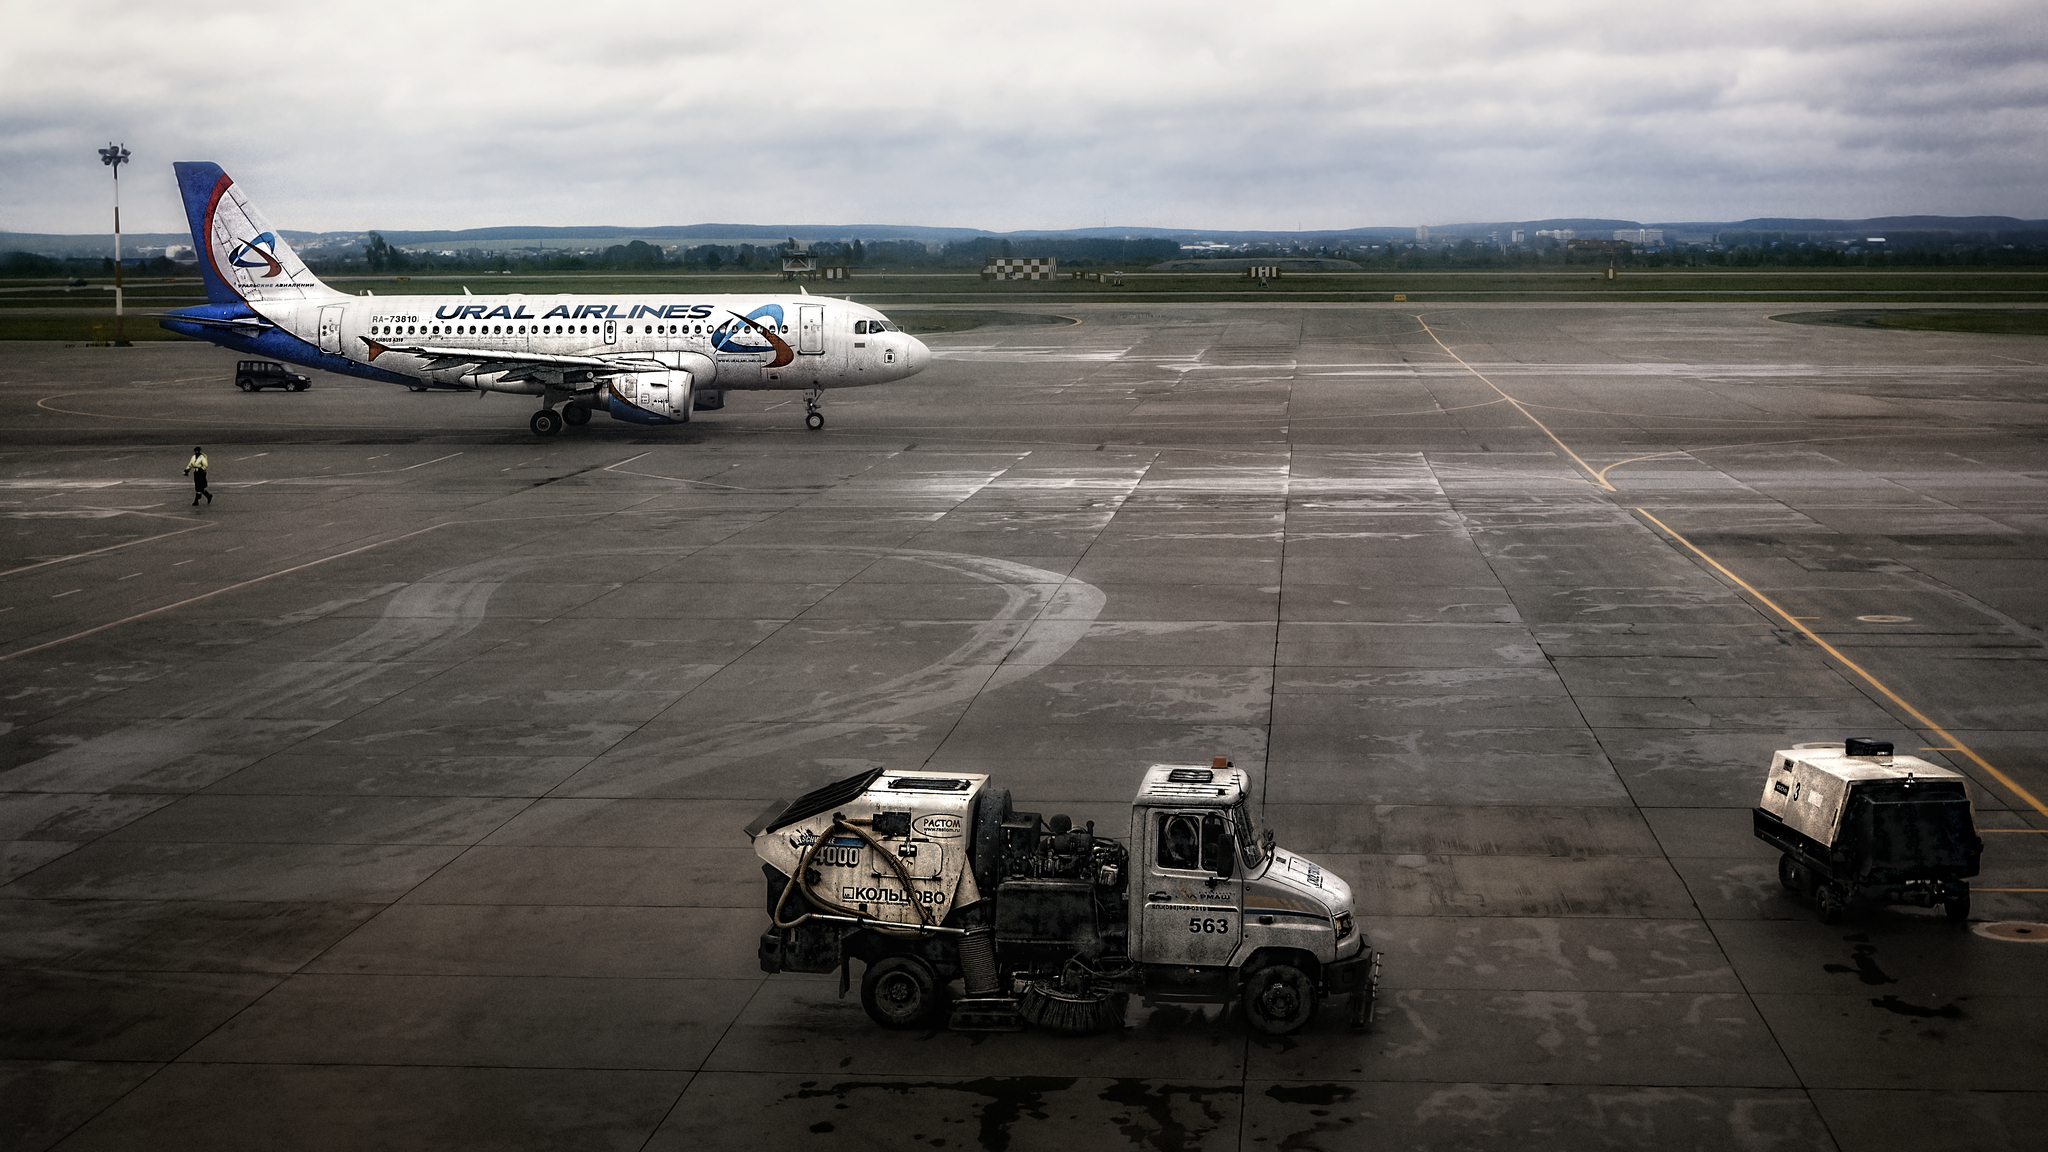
pixel 1020 268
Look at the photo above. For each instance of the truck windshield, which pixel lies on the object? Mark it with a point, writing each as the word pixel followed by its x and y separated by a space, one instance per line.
pixel 1248 845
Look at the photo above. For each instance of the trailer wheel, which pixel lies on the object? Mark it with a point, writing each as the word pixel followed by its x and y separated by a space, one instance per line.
pixel 899 992
pixel 1279 999
pixel 1827 902
pixel 1788 874
pixel 1958 907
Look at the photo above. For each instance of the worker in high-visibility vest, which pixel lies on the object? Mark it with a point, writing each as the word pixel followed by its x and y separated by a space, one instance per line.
pixel 196 469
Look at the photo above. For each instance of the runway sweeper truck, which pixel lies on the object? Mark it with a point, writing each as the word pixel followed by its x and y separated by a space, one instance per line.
pixel 928 877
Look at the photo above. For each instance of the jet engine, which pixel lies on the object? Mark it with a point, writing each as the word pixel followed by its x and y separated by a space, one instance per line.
pixel 650 397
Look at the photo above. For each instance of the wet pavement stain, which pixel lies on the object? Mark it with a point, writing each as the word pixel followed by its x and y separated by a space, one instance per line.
pixel 1950 1011
pixel 1320 1095
pixel 1863 964
pixel 1319 1098
pixel 1007 1100
pixel 1166 1133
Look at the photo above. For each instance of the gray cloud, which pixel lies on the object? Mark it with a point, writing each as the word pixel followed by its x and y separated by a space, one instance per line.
pixel 1058 114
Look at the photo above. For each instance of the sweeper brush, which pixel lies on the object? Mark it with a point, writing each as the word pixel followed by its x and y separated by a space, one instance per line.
pixel 1076 1013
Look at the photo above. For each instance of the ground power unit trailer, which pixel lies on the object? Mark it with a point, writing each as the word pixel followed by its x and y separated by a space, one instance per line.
pixel 1856 823
pixel 928 877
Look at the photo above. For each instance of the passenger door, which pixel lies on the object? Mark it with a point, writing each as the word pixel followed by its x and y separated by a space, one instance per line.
pixel 810 329
pixel 330 328
pixel 1190 896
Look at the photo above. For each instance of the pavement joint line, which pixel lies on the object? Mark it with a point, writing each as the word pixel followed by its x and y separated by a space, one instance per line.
pixel 45 406
pixel 1602 474
pixel 2010 784
pixel 47 644
pixel 108 548
pixel 1597 476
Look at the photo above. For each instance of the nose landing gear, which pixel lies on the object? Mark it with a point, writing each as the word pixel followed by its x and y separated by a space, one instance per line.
pixel 813 419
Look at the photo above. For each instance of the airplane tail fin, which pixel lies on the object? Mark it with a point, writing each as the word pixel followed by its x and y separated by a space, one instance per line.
pixel 241 258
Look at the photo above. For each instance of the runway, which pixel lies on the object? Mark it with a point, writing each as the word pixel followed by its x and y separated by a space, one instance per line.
pixel 395 798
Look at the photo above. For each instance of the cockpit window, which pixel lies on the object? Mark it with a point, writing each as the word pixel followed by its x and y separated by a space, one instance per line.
pixel 860 327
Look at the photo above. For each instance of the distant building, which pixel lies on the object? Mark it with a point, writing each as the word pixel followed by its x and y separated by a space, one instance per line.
pixel 1020 268
pixel 1422 233
pixel 1516 236
pixel 1645 237
pixel 798 261
pixel 1558 234
pixel 1600 247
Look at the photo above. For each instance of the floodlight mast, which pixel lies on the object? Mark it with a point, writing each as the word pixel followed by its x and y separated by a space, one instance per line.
pixel 113 156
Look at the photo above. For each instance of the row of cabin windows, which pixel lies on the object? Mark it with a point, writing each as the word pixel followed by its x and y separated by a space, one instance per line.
pixel 554 329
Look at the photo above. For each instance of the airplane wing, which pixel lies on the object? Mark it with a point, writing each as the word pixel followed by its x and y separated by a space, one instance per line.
pixel 484 361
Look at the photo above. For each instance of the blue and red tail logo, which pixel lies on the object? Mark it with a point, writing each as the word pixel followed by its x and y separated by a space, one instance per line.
pixel 260 248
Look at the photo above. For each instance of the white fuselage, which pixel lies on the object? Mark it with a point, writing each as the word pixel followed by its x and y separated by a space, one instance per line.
pixel 730 342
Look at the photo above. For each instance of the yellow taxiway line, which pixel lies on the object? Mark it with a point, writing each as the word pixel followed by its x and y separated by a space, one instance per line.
pixel 1599 476
pixel 1518 406
pixel 1927 724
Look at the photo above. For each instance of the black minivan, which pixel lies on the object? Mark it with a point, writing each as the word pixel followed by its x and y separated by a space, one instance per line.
pixel 256 375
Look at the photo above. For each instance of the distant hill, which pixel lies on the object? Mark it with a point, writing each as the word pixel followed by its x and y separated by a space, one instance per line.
pixel 2004 229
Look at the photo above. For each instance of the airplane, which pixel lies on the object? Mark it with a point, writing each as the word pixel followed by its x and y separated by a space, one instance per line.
pixel 649 359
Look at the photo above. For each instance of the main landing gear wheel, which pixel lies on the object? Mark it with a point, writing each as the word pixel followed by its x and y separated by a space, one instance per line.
pixel 577 415
pixel 814 420
pixel 900 992
pixel 546 422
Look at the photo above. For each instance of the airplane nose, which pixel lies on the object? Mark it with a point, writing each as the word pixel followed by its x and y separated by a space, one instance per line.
pixel 917 354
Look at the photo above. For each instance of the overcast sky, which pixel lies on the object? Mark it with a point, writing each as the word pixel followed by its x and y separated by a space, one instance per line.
pixel 1043 114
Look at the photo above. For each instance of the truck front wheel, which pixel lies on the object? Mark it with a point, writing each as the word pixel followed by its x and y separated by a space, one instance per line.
pixel 900 992
pixel 1279 999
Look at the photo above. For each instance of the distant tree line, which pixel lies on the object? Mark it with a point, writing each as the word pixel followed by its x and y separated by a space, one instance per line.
pixel 1753 250
pixel 1744 252
pixel 29 266
pixel 380 256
